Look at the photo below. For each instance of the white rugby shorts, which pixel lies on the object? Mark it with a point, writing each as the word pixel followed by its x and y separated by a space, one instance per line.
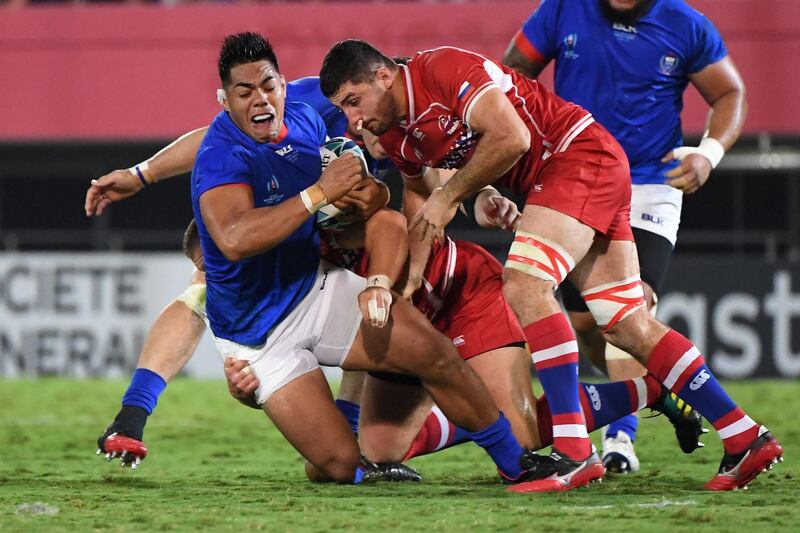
pixel 657 208
pixel 319 331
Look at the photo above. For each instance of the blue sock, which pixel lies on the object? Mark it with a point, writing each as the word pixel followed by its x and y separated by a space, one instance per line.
pixel 350 411
pixel 501 445
pixel 145 388
pixel 359 475
pixel 628 424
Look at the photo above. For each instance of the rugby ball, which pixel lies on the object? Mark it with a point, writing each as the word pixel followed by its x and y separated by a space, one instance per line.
pixel 334 148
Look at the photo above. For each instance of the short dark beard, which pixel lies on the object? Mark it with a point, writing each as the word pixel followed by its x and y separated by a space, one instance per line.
pixel 629 17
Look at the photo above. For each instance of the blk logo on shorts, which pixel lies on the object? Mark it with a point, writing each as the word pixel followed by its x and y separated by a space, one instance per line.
pixel 458 341
pixel 652 218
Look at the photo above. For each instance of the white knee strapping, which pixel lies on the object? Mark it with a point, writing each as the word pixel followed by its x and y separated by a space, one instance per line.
pixel 539 257
pixel 615 301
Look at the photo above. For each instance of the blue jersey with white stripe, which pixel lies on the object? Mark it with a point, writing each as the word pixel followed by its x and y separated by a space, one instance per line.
pixel 245 299
pixel 631 78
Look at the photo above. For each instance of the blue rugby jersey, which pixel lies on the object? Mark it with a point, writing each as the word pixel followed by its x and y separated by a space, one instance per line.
pixel 307 90
pixel 245 299
pixel 631 78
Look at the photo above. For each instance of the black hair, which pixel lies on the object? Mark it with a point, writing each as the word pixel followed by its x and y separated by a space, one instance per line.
pixel 241 48
pixel 351 61
pixel 191 240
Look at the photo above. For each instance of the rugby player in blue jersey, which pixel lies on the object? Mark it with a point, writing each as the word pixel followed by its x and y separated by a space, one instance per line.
pixel 628 62
pixel 255 184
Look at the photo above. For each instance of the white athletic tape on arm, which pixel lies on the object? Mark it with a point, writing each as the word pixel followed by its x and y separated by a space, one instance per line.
pixel 709 147
pixel 313 198
pixel 379 280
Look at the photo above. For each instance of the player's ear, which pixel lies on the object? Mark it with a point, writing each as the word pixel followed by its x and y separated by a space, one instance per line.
pixel 222 98
pixel 283 83
pixel 384 76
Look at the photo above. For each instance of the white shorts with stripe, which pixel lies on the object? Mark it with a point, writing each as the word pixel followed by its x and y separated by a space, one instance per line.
pixel 319 331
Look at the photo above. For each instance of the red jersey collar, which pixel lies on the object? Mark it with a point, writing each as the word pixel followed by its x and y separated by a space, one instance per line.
pixel 409 90
pixel 282 134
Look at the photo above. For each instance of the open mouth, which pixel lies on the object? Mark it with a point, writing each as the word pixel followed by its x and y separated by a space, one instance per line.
pixel 264 119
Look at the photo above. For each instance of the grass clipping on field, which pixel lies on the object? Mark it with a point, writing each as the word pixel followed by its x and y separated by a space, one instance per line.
pixel 214 464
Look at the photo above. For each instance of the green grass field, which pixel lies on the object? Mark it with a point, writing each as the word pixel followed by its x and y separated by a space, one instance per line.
pixel 215 465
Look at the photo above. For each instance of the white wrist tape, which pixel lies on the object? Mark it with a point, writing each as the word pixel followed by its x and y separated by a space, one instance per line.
pixel 709 148
pixel 313 198
pixel 379 280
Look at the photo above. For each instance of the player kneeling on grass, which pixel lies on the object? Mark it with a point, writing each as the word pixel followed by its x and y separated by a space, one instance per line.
pixel 271 301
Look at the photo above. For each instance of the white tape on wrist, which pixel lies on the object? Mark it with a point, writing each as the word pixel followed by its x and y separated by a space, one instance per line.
pixel 318 201
pixel 379 280
pixel 709 148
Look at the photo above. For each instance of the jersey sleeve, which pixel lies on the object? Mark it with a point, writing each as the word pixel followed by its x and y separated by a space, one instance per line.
pixel 537 37
pixel 407 168
pixel 708 46
pixel 217 166
pixel 459 79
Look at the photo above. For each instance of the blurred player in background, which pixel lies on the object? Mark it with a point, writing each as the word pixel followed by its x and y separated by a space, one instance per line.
pixel 628 62
pixel 450 108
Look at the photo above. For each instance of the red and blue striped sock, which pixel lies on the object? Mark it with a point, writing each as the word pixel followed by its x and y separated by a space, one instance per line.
pixel 555 356
pixel 603 403
pixel 677 363
pixel 436 433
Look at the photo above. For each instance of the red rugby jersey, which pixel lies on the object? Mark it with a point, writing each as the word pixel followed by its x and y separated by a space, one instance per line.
pixel 442 87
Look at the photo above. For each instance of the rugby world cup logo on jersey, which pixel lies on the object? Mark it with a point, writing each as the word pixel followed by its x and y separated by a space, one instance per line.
pixel 668 63
pixel 273 196
pixel 570 42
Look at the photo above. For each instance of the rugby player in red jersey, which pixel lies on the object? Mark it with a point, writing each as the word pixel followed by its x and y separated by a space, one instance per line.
pixel 451 108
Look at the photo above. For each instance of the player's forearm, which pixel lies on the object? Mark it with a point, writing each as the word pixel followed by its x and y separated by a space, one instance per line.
pixel 257 230
pixel 176 158
pixel 172 340
pixel 419 248
pixel 386 243
pixel 497 152
pixel 726 117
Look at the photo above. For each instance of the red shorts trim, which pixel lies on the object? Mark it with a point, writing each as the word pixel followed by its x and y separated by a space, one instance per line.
pixel 589 181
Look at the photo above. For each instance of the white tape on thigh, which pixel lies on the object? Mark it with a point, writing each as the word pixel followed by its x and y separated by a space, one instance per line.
pixel 539 257
pixel 195 299
pixel 612 302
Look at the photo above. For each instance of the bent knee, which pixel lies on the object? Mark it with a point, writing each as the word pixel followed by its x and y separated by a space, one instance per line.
pixel 387 217
pixel 637 334
pixel 338 467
